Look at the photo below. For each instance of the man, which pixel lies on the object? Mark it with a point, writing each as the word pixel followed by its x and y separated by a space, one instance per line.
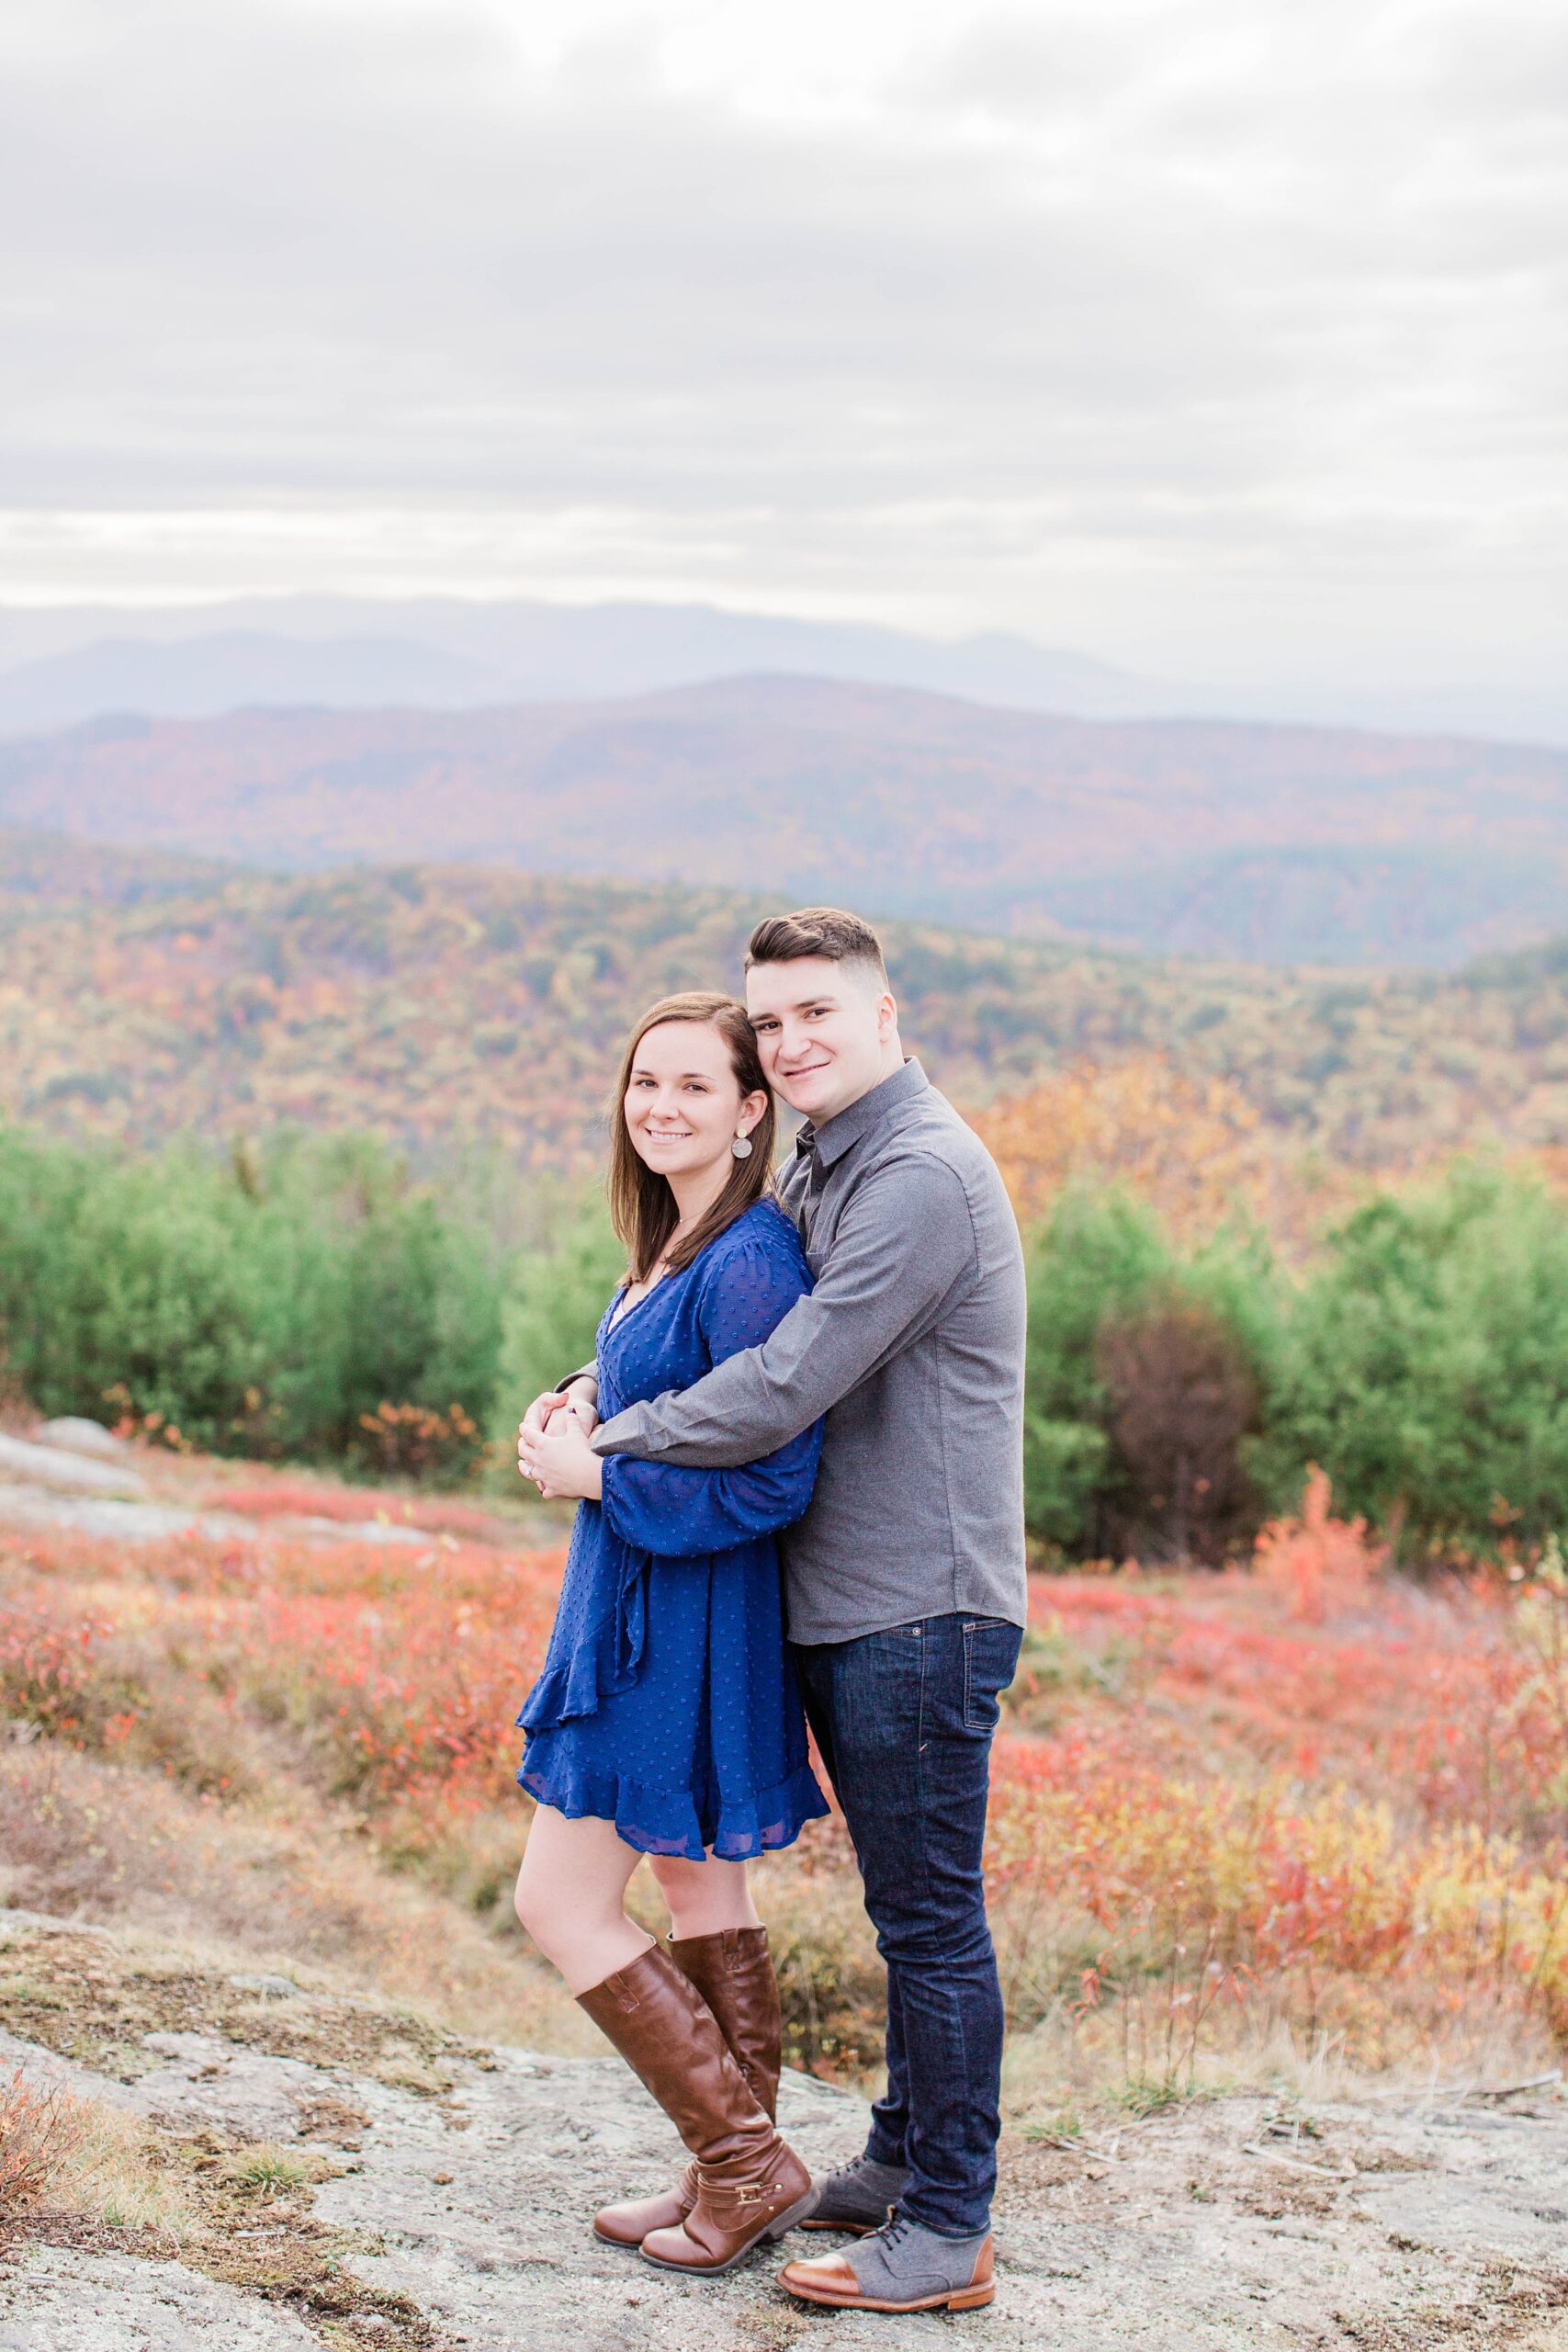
pixel 905 1578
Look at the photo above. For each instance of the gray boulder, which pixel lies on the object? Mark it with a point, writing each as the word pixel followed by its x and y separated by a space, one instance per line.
pixel 50 1465
pixel 72 1434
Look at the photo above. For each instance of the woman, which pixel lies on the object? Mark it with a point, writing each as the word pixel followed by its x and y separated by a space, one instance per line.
pixel 667 1721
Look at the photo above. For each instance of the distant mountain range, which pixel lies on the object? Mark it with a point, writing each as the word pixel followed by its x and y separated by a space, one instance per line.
pixel 61 665
pixel 1263 842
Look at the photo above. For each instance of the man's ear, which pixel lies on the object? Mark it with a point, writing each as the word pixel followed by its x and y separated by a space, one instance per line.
pixel 887 1013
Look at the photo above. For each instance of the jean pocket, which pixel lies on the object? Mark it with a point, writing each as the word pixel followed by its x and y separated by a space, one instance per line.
pixel 990 1660
pixel 878 1696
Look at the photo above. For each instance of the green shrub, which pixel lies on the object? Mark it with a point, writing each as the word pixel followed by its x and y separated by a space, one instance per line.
pixel 259 1306
pixel 1146 1378
pixel 1098 1255
pixel 275 1301
pixel 1428 1363
pixel 552 1315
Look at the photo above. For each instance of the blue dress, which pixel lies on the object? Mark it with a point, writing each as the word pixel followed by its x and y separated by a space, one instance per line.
pixel 668 1702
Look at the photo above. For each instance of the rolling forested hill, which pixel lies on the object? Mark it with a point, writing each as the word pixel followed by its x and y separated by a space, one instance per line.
pixel 1277 844
pixel 142 997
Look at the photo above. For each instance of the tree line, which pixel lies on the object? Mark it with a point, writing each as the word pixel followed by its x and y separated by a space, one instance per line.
pixel 316 1300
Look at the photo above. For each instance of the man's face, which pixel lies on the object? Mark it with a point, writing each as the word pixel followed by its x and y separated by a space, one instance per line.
pixel 823 1031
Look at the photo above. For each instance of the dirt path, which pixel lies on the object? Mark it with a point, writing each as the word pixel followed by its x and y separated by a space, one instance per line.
pixel 453 2185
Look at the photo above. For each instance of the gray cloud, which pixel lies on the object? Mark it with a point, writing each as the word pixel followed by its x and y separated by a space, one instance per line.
pixel 1208 333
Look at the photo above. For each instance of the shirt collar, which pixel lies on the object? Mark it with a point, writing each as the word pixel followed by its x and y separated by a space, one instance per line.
pixel 836 1135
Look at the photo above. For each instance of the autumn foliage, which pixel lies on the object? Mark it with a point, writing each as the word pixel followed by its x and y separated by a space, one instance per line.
pixel 1341 1799
pixel 1318 1563
pixel 1189 1143
pixel 144 999
pixel 42 2127
pixel 1301 1790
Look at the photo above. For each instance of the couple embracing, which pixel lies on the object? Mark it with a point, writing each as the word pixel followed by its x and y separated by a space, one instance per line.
pixel 826 1373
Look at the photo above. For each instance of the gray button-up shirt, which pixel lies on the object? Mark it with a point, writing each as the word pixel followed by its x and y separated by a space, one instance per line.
pixel 912 1345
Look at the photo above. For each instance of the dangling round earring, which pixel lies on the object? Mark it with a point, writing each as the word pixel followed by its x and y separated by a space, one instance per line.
pixel 741 1146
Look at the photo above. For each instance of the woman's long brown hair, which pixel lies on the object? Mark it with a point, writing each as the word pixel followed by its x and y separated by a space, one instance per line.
pixel 642 1207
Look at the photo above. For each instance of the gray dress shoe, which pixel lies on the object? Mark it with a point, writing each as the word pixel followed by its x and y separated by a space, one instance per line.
pixel 858 2197
pixel 900 2268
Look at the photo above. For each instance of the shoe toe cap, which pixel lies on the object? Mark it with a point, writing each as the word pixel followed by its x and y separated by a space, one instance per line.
pixel 825 2270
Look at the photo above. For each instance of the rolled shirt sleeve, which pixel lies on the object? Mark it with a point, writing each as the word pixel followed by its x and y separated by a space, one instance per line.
pixel 903 1249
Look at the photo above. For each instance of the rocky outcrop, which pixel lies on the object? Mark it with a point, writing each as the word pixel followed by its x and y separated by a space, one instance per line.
pixel 62 1471
pixel 453 2185
pixel 43 1486
pixel 73 1434
pixel 71 2299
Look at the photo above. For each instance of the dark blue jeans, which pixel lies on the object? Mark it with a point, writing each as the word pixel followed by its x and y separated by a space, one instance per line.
pixel 903 1720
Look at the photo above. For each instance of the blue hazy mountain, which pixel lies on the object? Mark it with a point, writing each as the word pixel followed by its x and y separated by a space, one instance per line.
pixel 62 665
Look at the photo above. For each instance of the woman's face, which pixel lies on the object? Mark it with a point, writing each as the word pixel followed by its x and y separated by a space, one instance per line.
pixel 684 1107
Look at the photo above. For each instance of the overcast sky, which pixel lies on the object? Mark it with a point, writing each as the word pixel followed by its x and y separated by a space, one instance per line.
pixel 1225 338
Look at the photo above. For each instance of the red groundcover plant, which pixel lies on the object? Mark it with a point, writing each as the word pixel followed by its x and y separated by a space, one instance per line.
pixel 1309 1787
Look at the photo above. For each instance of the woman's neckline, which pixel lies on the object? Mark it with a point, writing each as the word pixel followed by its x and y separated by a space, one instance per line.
pixel 619 1314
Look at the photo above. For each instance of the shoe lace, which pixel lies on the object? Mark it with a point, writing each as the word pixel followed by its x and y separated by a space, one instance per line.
pixel 858 2165
pixel 894 2231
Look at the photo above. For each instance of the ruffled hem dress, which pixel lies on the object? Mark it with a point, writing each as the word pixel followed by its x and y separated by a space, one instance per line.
pixel 668 1702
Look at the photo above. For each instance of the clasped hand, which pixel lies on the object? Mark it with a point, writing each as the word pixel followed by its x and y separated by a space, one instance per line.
pixel 553 1448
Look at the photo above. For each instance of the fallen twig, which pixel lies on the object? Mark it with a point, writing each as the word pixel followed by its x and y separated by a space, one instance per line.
pixel 1297 2164
pixel 1507 2090
pixel 1085 2148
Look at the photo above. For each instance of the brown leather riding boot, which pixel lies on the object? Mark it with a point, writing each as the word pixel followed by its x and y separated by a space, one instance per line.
pixel 750 2185
pixel 733 1970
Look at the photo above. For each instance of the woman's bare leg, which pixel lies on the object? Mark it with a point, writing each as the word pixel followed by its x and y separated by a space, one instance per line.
pixel 571 1897
pixel 704 1897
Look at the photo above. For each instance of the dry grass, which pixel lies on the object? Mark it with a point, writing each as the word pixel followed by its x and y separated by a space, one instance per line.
pixel 120 2177
pixel 238 2210
pixel 94 1840
pixel 1244 1828
pixel 1071 2068
pixel 93 1997
pixel 41 2129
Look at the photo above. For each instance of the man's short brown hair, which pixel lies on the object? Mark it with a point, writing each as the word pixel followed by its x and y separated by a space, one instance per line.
pixel 817 931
